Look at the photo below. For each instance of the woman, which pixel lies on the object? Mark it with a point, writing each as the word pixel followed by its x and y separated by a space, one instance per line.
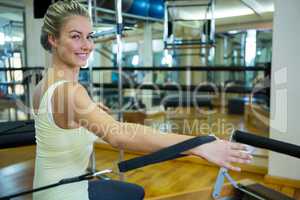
pixel 67 121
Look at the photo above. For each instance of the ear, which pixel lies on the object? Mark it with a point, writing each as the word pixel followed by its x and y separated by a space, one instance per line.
pixel 52 40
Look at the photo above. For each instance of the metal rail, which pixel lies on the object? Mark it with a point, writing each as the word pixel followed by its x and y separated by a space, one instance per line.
pixel 174 69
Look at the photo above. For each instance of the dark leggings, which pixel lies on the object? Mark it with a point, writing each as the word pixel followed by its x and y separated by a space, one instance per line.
pixel 114 190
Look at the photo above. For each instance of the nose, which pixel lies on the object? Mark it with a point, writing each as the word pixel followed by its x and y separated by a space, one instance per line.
pixel 87 44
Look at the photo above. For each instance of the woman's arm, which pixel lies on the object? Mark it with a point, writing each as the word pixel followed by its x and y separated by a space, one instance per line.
pixel 141 138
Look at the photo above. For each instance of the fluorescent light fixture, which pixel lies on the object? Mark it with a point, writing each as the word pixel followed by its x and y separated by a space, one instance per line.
pixel 258 53
pixel 12 39
pixel 167 60
pixel 250 47
pixel 233 32
pixel 135 60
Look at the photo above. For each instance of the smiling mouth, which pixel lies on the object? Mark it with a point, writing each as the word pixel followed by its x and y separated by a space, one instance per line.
pixel 82 56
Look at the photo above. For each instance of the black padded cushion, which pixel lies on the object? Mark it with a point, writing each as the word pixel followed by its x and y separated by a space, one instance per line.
pixel 17 133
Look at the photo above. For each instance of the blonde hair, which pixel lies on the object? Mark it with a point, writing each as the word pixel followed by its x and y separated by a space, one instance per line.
pixel 56 16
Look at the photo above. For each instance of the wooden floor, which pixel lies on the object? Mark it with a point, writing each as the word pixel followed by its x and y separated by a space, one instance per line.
pixel 161 179
pixel 181 175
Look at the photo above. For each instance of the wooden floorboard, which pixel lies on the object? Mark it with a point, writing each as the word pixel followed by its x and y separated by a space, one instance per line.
pixel 297 194
pixel 160 179
pixel 11 156
pixel 17 178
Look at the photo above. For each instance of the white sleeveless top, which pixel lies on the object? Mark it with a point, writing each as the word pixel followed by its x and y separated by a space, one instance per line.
pixel 60 153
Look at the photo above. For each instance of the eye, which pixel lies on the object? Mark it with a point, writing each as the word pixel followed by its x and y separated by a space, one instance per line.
pixel 76 37
pixel 90 38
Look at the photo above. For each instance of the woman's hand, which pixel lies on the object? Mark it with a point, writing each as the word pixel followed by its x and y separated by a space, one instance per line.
pixel 103 107
pixel 223 153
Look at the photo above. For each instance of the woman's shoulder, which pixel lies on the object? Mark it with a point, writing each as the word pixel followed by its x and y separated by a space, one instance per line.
pixel 71 87
pixel 71 92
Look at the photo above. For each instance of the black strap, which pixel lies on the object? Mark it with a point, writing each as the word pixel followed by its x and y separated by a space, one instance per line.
pixel 61 182
pixel 165 154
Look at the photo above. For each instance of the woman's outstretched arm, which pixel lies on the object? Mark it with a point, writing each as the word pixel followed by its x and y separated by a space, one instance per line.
pixel 142 138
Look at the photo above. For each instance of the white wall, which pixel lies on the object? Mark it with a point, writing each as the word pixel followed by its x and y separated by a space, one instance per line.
pixel 285 88
pixel 36 55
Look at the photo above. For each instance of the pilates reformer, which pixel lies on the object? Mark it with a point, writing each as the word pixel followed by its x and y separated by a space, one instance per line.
pixel 242 192
pixel 254 191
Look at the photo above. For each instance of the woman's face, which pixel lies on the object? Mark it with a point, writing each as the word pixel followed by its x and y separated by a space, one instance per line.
pixel 74 44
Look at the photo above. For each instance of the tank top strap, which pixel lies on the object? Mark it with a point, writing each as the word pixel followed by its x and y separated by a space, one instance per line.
pixel 46 102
